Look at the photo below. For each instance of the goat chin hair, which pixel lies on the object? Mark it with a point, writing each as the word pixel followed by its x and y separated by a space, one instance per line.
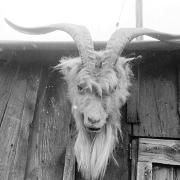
pixel 93 154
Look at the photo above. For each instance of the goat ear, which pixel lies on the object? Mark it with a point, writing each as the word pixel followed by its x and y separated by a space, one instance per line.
pixel 123 62
pixel 66 65
pixel 126 61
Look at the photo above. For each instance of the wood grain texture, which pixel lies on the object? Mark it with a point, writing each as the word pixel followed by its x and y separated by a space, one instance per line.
pixel 161 172
pixel 50 130
pixel 176 56
pixel 157 110
pixel 176 173
pixel 158 159
pixel 32 74
pixel 69 165
pixel 159 151
pixel 14 127
pixel 7 76
pixel 134 158
pixel 144 171
pixel 166 172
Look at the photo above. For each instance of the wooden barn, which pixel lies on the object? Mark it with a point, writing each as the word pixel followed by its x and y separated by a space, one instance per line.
pixel 36 124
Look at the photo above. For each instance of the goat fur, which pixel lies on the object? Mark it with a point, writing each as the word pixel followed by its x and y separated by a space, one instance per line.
pixel 93 154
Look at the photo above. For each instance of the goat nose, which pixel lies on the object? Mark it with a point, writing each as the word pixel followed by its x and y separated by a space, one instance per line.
pixel 93 121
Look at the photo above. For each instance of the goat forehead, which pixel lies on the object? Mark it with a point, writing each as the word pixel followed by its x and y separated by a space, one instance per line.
pixel 96 74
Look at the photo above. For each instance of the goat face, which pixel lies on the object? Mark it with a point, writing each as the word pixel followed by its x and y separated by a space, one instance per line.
pixel 96 94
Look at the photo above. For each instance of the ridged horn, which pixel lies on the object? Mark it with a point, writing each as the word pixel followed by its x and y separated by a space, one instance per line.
pixel 79 34
pixel 121 37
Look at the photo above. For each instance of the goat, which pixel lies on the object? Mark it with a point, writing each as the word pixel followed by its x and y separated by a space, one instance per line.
pixel 98 86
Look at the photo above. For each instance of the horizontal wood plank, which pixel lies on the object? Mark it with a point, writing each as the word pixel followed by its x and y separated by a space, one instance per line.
pixel 159 151
pixel 61 46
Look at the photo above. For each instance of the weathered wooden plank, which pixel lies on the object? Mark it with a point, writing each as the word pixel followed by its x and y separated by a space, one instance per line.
pixel 50 130
pixel 161 172
pixel 63 46
pixel 10 126
pixel 157 110
pixel 32 74
pixel 12 119
pixel 176 56
pixel 7 76
pixel 177 173
pixel 161 155
pixel 69 166
pixel 159 151
pixel 134 158
pixel 144 171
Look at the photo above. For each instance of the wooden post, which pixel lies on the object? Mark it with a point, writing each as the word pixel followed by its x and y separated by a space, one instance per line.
pixel 139 16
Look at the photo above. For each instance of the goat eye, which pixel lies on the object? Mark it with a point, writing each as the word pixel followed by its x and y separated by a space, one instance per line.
pixel 80 88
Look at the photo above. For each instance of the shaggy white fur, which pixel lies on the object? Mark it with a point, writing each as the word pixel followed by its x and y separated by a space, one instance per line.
pixel 102 93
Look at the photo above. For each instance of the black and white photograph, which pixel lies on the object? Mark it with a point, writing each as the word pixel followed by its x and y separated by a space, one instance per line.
pixel 90 90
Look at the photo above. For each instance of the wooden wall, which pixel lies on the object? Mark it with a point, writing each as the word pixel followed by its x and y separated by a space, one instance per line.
pixel 153 110
pixel 154 107
pixel 35 113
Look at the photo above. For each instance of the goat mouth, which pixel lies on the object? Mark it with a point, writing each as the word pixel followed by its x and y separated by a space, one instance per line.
pixel 93 129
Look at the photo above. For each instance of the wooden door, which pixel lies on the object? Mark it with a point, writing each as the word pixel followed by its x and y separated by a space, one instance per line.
pixel 155 159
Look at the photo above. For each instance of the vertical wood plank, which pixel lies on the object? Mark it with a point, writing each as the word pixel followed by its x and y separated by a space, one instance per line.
pixel 7 76
pixel 177 173
pixel 158 98
pixel 69 165
pixel 178 84
pixel 134 158
pixel 161 172
pixel 32 74
pixel 10 125
pixel 10 130
pixel 50 130
pixel 144 171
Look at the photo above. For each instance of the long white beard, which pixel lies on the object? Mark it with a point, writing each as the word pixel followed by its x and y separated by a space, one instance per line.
pixel 93 155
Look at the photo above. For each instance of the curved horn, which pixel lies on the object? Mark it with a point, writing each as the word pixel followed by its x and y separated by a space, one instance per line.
pixel 80 35
pixel 121 37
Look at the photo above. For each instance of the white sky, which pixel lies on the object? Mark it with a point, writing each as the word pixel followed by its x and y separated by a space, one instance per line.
pixel 99 16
